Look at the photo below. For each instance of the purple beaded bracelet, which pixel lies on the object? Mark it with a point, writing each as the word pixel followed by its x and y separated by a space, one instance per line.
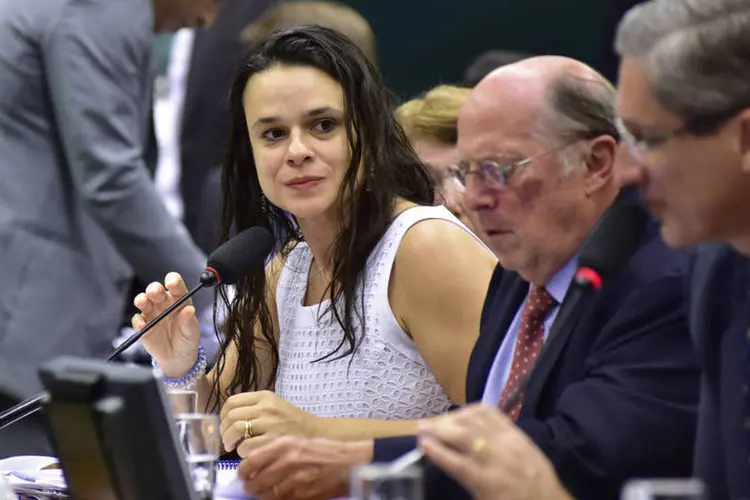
pixel 190 379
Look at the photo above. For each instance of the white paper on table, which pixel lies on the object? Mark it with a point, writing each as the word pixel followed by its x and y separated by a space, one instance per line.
pixel 228 486
pixel 28 471
pixel 5 492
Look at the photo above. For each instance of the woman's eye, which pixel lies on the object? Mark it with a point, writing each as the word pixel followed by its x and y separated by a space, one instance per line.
pixel 324 126
pixel 273 134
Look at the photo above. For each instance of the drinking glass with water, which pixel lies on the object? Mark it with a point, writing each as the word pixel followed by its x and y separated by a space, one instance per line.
pixel 199 436
pixel 382 482
pixel 664 489
pixel 182 401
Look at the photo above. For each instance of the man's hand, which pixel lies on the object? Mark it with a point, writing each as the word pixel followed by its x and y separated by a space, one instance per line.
pixel 483 450
pixel 296 468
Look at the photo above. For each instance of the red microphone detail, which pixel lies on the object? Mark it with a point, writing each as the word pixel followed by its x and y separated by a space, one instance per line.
pixel 587 276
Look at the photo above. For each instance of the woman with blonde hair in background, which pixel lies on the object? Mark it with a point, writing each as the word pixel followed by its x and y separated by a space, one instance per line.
pixel 430 123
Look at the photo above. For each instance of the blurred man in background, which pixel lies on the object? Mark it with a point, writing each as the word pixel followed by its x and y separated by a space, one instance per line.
pixel 333 15
pixel 684 100
pixel 488 61
pixel 199 76
pixel 78 213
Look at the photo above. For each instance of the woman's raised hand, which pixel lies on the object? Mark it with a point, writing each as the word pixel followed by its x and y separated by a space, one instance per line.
pixel 174 341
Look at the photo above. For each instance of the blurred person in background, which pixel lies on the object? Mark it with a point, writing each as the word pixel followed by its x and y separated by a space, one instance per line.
pixel 78 213
pixel 188 132
pixel 538 143
pixel 684 103
pixel 192 116
pixel 489 61
pixel 430 124
pixel 334 15
pixel 339 336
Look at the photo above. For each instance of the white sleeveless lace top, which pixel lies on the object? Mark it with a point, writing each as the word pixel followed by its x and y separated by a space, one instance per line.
pixel 386 378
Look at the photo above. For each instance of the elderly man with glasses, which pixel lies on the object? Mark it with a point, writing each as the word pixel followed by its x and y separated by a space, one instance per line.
pixel 614 395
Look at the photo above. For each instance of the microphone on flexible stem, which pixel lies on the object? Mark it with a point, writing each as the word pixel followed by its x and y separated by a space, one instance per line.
pixel 604 252
pixel 226 265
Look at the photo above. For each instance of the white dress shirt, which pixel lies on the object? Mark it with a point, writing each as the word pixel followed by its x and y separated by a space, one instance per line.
pixel 169 102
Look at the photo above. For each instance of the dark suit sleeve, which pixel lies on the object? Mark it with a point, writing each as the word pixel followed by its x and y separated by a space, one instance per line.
pixel 387 449
pixel 438 485
pixel 97 57
pixel 642 381
pixel 709 447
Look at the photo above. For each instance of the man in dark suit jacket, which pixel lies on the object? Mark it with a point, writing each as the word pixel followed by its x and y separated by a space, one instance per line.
pixel 614 395
pixel 720 323
pixel 686 129
pixel 205 117
pixel 687 132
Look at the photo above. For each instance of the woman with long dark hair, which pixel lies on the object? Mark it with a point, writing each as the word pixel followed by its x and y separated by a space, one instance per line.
pixel 371 308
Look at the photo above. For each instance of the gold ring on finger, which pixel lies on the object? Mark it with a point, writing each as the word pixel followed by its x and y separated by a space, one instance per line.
pixel 248 429
pixel 478 445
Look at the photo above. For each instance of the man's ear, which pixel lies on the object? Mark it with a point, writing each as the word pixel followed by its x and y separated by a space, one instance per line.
pixel 744 146
pixel 599 163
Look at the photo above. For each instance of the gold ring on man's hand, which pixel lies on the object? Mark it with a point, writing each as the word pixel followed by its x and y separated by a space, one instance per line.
pixel 478 445
pixel 248 429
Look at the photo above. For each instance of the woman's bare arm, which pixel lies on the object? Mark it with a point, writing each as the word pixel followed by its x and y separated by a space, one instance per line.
pixel 437 291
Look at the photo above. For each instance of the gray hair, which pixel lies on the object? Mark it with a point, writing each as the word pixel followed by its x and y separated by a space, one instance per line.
pixel 697 54
pixel 577 107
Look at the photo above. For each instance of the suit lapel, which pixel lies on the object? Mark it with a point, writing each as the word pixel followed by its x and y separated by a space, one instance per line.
pixel 572 312
pixel 504 298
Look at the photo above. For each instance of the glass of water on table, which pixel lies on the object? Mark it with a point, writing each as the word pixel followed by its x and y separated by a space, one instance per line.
pixel 182 401
pixel 664 489
pixel 382 482
pixel 199 436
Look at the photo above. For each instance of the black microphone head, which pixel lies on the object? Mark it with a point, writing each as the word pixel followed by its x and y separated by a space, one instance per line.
pixel 237 257
pixel 612 242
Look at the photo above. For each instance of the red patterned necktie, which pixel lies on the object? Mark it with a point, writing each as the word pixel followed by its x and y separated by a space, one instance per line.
pixel 528 344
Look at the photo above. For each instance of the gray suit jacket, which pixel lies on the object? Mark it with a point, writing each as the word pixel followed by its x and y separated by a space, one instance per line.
pixel 78 212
